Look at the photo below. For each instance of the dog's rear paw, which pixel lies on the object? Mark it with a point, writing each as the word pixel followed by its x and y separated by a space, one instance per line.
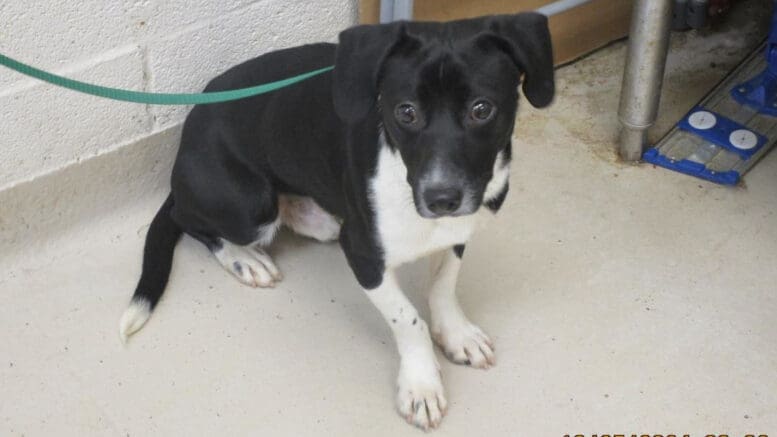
pixel 421 399
pixel 465 343
pixel 250 265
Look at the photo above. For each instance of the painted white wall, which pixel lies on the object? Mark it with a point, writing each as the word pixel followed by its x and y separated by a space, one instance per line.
pixel 149 45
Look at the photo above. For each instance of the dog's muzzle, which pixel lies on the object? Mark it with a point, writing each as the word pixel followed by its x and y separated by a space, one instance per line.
pixel 443 201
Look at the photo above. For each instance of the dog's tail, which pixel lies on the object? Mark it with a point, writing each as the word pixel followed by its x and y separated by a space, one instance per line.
pixel 163 235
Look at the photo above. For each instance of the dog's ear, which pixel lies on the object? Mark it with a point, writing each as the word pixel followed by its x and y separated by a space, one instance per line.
pixel 361 52
pixel 525 37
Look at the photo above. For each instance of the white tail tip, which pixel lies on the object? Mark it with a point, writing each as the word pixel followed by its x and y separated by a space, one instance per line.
pixel 134 317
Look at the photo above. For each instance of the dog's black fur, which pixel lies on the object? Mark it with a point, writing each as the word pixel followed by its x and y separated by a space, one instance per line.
pixel 403 142
pixel 320 138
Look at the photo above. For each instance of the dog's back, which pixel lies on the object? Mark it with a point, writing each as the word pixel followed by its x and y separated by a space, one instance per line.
pixel 262 132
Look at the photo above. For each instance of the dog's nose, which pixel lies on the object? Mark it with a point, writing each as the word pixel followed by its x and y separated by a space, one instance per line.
pixel 442 200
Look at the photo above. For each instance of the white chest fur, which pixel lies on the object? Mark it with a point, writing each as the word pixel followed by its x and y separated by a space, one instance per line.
pixel 403 233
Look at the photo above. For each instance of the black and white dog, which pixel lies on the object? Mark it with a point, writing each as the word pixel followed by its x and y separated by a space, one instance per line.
pixel 396 153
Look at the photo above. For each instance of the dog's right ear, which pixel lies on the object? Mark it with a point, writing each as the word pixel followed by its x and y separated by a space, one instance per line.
pixel 361 52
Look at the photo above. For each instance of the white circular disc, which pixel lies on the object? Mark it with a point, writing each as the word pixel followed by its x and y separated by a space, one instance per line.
pixel 743 139
pixel 702 120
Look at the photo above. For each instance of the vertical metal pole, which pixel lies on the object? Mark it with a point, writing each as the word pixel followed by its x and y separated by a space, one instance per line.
pixel 644 74
pixel 403 9
pixel 386 11
pixel 393 10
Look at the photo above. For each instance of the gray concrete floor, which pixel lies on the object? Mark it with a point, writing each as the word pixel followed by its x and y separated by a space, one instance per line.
pixel 622 299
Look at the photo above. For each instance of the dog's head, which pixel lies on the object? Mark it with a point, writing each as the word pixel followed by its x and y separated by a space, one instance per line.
pixel 447 95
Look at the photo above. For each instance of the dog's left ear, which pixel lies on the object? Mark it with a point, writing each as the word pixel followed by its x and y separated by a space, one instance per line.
pixel 525 37
pixel 361 53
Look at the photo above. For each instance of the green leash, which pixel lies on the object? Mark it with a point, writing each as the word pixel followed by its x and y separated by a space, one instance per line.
pixel 156 98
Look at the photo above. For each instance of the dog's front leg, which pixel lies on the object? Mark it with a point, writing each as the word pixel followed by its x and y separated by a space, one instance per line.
pixel 420 398
pixel 461 340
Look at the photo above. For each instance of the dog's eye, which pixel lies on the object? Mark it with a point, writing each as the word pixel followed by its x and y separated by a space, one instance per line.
pixel 406 113
pixel 482 110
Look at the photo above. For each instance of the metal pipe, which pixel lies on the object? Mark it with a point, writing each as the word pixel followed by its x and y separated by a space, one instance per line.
pixel 386 11
pixel 644 74
pixel 560 6
pixel 393 10
pixel 403 9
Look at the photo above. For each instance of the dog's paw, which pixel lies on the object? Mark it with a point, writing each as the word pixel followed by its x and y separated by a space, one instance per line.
pixel 464 343
pixel 250 265
pixel 421 399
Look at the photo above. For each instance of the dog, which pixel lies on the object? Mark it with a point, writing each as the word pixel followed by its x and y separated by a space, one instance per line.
pixel 395 154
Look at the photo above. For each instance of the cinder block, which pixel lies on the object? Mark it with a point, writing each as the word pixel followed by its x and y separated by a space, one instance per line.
pixel 151 19
pixel 51 35
pixel 187 61
pixel 46 127
pixel 154 45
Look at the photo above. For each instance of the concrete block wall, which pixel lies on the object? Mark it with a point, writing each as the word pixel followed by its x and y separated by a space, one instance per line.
pixel 149 45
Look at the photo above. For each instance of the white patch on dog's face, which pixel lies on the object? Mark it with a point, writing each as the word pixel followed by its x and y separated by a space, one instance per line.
pixel 436 176
pixel 403 233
